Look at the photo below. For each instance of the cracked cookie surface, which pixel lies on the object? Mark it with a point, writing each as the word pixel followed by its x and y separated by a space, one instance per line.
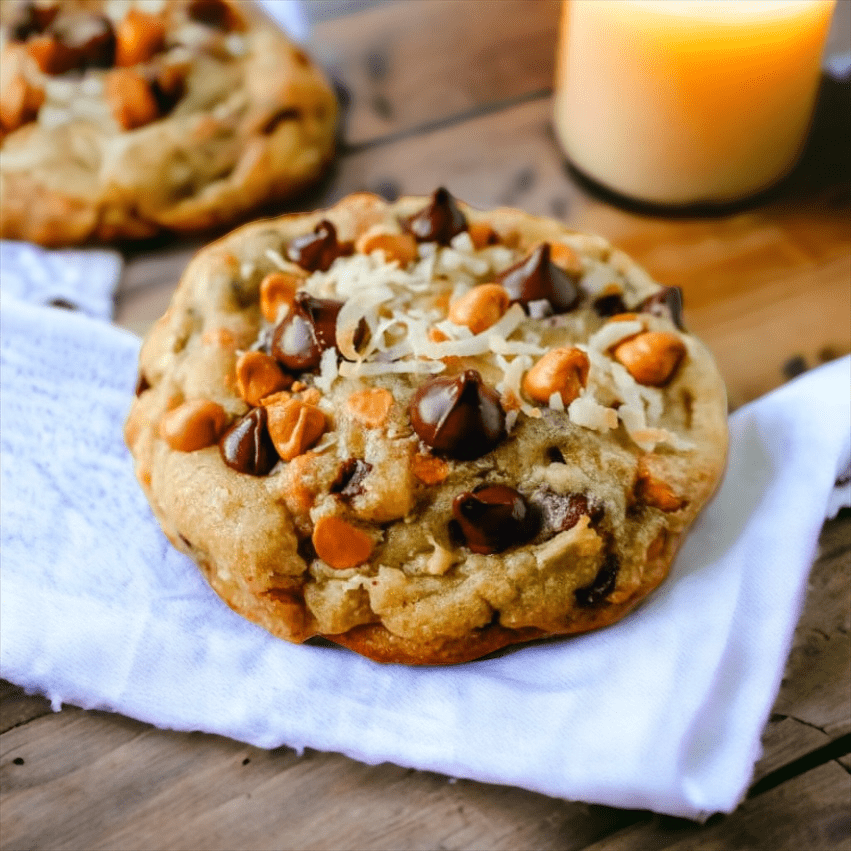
pixel 425 431
pixel 120 119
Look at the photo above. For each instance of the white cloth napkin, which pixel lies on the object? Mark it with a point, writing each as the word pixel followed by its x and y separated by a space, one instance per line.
pixel 84 279
pixel 663 711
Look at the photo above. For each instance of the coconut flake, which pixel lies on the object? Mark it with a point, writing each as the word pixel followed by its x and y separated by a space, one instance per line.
pixel 585 411
pixel 612 333
pixel 327 370
pixel 361 369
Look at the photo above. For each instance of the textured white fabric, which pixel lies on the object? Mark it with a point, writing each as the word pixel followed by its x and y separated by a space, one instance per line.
pixel 663 711
pixel 85 279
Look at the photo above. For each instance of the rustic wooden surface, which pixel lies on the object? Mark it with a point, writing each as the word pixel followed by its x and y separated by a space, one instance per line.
pixel 458 93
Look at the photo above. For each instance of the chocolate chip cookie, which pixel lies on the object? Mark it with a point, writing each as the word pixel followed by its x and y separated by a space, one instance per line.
pixel 425 431
pixel 123 118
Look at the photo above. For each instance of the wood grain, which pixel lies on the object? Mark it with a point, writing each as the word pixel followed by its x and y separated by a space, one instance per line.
pixel 409 65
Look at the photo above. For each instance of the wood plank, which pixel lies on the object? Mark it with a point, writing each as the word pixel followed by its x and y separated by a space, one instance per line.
pixel 816 687
pixel 113 783
pixel 809 813
pixel 406 65
pixel 17 707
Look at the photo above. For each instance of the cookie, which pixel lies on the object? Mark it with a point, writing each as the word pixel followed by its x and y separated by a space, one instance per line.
pixel 122 119
pixel 425 431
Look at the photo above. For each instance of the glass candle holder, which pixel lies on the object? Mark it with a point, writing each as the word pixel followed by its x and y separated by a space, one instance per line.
pixel 688 102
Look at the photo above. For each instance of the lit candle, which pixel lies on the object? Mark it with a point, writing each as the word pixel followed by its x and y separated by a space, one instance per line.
pixel 688 101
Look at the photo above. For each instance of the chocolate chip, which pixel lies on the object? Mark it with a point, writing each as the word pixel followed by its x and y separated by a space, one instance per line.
pixel 212 13
pixel 246 446
pixel 609 305
pixel 168 85
pixel 318 250
pixel 460 417
pixel 492 518
pixel 602 585
pixel 89 38
pixel 349 480
pixel 537 277
pixel 31 19
pixel 667 303
pixel 561 511
pixel 439 221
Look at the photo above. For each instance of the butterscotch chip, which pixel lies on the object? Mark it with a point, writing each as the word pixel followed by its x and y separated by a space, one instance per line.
pixel 370 407
pixel 155 118
pixel 193 425
pixel 294 427
pixel 339 544
pixel 130 98
pixel 138 37
pixel 422 493
pixel 259 375
pixel 276 290
pixel 429 469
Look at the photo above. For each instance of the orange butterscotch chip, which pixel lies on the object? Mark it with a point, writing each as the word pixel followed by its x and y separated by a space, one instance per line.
pixel 401 247
pixel 193 425
pixel 138 37
pixel 429 469
pixel 130 98
pixel 651 358
pixel 20 102
pixel 294 427
pixel 259 375
pixel 656 493
pixel 277 289
pixel 482 235
pixel 339 544
pixel 370 407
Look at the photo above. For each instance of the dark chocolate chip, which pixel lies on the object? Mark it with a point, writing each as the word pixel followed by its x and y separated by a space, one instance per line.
pixel 307 330
pixel 609 305
pixel 246 446
pixel 439 221
pixel 168 85
pixel 31 19
pixel 349 480
pixel 318 250
pixel 667 303
pixel 561 511
pixel 460 417
pixel 602 585
pixel 536 277
pixel 492 518
pixel 90 39
pixel 212 13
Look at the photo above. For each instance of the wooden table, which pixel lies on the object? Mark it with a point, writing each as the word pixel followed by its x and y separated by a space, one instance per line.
pixel 458 93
